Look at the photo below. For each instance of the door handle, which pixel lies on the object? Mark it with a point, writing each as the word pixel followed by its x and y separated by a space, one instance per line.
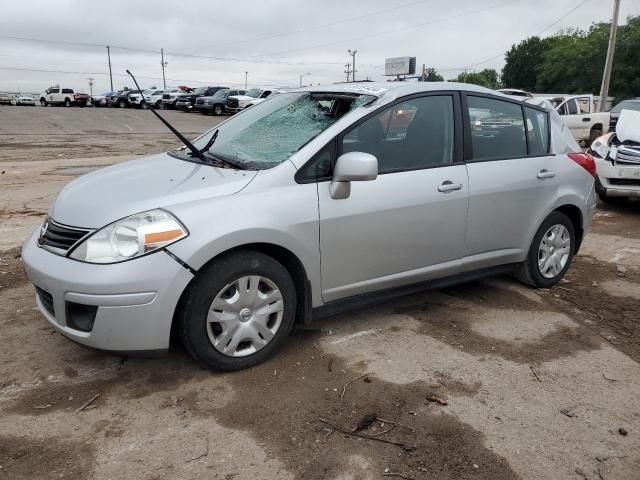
pixel 542 174
pixel 449 186
pixel 586 119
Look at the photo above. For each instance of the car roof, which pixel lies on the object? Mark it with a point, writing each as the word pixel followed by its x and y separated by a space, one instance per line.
pixel 400 89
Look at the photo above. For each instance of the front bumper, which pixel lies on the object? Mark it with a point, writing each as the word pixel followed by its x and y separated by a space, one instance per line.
pixel 618 181
pixel 229 109
pixel 135 299
pixel 184 106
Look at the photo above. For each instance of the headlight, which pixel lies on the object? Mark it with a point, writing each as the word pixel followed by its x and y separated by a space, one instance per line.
pixel 601 145
pixel 130 237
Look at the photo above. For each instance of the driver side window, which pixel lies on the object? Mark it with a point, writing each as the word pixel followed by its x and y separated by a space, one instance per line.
pixel 415 134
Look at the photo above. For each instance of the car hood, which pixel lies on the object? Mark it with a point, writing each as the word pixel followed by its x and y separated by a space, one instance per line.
pixel 243 98
pixel 101 197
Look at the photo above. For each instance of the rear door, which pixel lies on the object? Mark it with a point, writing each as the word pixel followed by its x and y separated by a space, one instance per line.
pixel 512 178
pixel 407 225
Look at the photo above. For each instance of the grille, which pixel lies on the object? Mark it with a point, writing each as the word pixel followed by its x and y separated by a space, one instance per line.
pixel 46 300
pixel 628 155
pixel 232 103
pixel 59 237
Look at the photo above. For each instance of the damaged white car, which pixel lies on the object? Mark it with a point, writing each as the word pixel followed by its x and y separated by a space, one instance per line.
pixel 617 157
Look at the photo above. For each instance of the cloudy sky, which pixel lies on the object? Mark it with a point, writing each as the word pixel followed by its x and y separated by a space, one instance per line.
pixel 275 41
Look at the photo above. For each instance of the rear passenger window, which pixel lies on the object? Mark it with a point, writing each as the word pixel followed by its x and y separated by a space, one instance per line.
pixel 497 129
pixel 411 135
pixel 67 90
pixel 537 131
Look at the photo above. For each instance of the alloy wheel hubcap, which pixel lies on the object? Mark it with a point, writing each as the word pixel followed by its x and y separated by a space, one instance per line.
pixel 245 316
pixel 553 252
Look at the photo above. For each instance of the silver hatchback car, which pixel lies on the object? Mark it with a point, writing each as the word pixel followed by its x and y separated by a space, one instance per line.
pixel 310 202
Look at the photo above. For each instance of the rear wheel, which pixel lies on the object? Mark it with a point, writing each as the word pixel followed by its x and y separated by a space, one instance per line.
pixel 551 252
pixel 159 104
pixel 67 102
pixel 238 311
pixel 122 103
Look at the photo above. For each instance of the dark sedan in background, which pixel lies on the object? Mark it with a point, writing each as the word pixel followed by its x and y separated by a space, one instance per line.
pixel 186 101
pixel 623 105
pixel 215 104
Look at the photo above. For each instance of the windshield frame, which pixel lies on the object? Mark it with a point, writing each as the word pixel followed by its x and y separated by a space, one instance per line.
pixel 246 128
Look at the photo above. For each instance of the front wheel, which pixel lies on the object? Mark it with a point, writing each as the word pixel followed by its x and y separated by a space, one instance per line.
pixel 551 252
pixel 238 311
pixel 43 102
pixel 218 110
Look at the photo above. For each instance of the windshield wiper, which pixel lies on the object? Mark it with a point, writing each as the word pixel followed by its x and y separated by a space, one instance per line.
pixel 188 144
pixel 211 141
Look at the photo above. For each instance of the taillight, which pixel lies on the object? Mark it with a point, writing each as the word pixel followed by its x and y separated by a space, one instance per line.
pixel 585 160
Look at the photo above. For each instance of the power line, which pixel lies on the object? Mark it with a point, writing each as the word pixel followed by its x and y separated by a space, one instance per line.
pixel 534 35
pixel 156 52
pixel 325 25
pixel 387 32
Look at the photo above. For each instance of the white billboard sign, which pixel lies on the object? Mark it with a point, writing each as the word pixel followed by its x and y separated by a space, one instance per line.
pixel 400 66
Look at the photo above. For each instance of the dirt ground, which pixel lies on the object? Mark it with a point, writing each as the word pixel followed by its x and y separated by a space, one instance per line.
pixel 537 384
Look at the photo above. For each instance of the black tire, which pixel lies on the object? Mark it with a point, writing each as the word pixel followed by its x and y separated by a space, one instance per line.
pixel 67 102
pixel 159 104
pixel 144 106
pixel 218 110
pixel 529 272
pixel 122 104
pixel 43 102
pixel 211 280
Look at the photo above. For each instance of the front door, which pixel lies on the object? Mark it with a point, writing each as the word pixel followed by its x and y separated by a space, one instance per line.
pixel 407 225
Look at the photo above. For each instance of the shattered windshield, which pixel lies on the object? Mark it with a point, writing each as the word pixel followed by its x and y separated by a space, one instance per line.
pixel 270 132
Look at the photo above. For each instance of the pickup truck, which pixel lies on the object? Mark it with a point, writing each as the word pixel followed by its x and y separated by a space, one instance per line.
pixel 236 103
pixel 63 96
pixel 579 114
pixel 186 101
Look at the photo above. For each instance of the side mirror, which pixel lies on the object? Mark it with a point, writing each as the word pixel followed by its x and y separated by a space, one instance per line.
pixel 352 167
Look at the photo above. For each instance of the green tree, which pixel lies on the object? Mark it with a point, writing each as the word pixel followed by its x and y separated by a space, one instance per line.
pixel 572 61
pixel 523 62
pixel 486 78
pixel 432 75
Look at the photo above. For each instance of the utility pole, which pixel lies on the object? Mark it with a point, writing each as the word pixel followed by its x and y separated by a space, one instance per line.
pixel 347 70
pixel 465 75
pixel 303 75
pixel 353 72
pixel 90 85
pixel 109 58
pixel 606 77
pixel 424 72
pixel 246 74
pixel 164 64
